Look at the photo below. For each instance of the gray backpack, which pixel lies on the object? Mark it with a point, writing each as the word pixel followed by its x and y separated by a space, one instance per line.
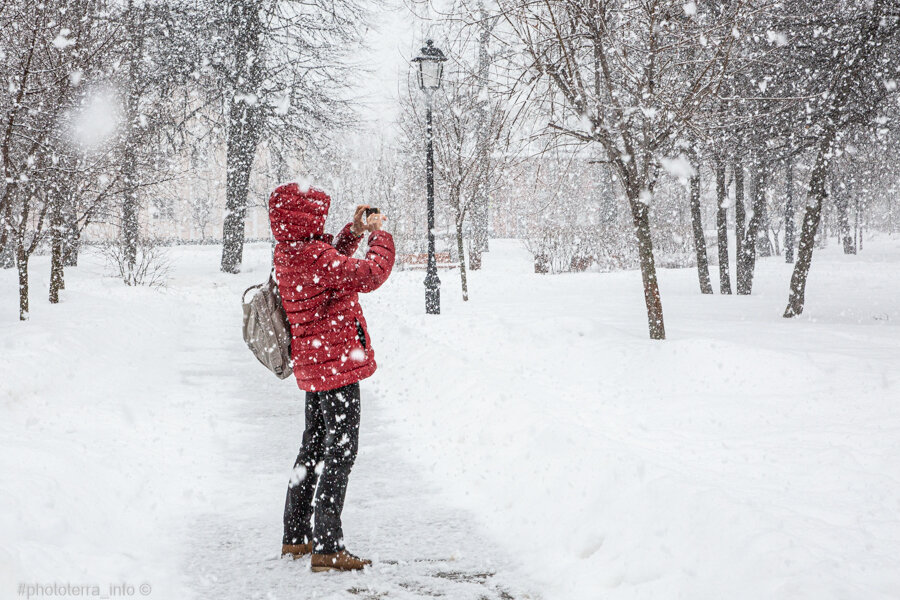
pixel 266 328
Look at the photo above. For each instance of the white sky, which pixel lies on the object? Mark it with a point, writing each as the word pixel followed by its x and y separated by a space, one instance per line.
pixel 395 36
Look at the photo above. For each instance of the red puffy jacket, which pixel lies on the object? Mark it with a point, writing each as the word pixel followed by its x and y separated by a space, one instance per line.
pixel 319 284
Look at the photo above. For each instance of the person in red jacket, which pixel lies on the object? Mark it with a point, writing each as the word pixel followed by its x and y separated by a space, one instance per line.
pixel 320 281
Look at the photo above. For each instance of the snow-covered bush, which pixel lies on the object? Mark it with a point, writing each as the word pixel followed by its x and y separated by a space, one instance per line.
pixel 150 266
pixel 563 249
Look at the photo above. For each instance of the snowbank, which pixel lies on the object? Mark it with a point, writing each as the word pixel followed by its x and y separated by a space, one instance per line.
pixel 105 444
pixel 746 457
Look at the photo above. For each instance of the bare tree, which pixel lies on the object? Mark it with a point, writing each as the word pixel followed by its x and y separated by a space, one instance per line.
pixel 81 194
pixel 47 46
pixel 851 74
pixel 486 21
pixel 276 71
pixel 613 74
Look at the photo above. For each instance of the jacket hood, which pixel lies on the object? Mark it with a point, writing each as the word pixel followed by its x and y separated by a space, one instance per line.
pixel 296 213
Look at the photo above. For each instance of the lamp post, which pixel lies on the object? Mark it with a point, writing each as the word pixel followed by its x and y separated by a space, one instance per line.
pixel 431 68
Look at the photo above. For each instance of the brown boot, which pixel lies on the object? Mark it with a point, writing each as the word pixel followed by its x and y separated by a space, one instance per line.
pixel 339 561
pixel 296 550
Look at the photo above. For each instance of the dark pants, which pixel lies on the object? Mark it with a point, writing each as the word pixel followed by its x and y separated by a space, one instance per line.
pixel 331 438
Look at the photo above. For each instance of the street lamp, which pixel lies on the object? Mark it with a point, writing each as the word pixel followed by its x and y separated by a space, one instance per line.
pixel 431 68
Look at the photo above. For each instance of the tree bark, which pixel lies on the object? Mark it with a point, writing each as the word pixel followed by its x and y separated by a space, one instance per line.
pixel 480 207
pixel 741 239
pixel 641 220
pixel 462 260
pixel 761 208
pixel 722 228
pixel 842 204
pixel 7 254
pixel 7 240
pixel 477 244
pixel 72 247
pixel 815 198
pixel 244 122
pixel 751 238
pixel 240 154
pixel 822 236
pixel 71 232
pixel 57 281
pixel 22 267
pixel 130 208
pixel 789 213
pixel 699 237
pixel 861 218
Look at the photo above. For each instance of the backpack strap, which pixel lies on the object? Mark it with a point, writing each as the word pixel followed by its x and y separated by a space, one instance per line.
pixel 252 287
pixel 259 285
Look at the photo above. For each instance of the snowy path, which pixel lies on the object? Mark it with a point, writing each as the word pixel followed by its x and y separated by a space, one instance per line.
pixel 420 546
pixel 166 450
pixel 531 443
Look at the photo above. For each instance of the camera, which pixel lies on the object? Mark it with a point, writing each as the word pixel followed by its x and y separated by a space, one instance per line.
pixel 371 211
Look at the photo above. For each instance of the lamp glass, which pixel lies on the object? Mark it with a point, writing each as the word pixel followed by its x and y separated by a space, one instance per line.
pixel 430 72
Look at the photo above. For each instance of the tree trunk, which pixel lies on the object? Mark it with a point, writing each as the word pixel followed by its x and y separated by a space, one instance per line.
pixel 861 219
pixel 722 228
pixel 243 129
pixel 476 248
pixel 71 233
pixel 743 247
pixel 822 236
pixel 237 181
pixel 72 247
pixel 475 258
pixel 7 246
pixel 479 226
pixel 56 251
pixel 761 208
pixel 462 261
pixel 789 214
pixel 130 208
pixel 7 254
pixel 7 238
pixel 22 267
pixel 815 198
pixel 751 239
pixel 480 207
pixel 842 204
pixel 641 220
pixel 699 237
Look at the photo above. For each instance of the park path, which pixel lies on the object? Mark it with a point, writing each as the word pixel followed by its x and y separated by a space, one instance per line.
pixel 420 546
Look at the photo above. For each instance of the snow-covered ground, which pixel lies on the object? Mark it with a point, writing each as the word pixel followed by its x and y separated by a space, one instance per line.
pixel 531 443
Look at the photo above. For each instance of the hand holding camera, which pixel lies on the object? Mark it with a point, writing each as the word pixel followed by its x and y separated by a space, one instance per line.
pixel 367 218
pixel 374 219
